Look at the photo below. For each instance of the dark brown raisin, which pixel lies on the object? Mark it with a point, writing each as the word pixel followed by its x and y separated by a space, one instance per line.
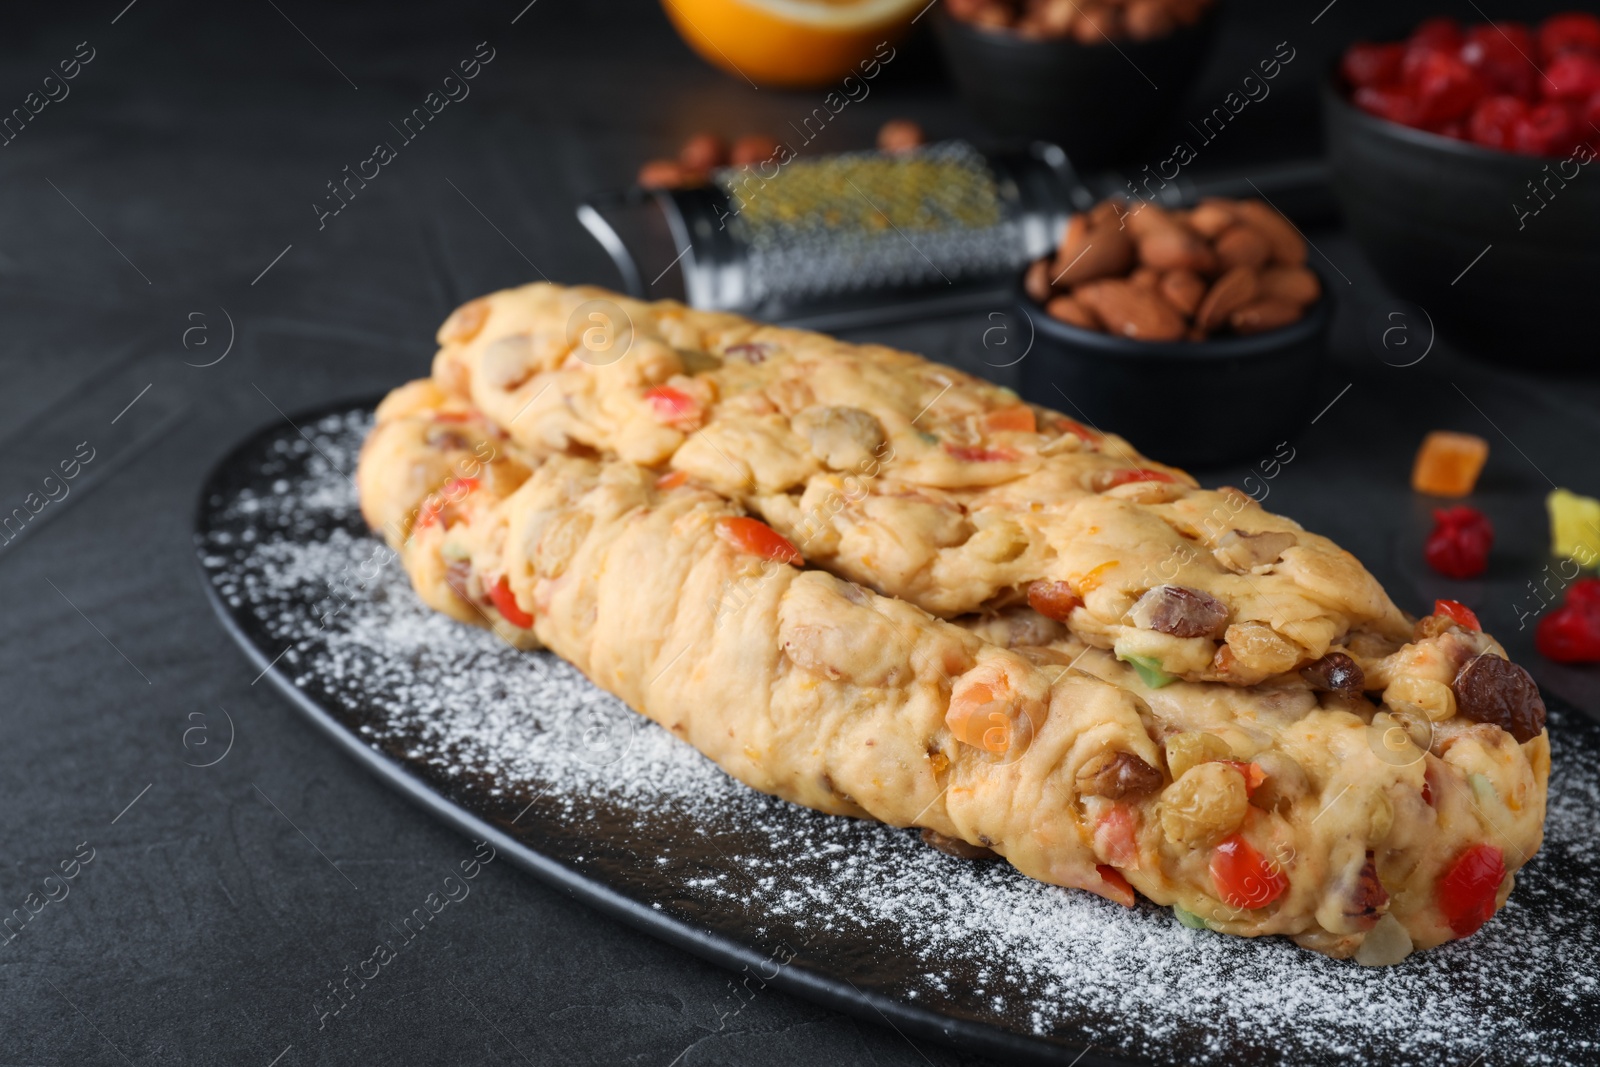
pixel 1335 673
pixel 954 846
pixel 1492 690
pixel 1368 898
pixel 1180 611
pixel 750 351
pixel 1117 774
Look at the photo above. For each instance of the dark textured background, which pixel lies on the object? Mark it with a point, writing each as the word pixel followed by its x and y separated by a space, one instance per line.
pixel 185 159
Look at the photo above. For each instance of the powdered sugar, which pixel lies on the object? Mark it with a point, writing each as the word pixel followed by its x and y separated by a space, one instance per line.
pixel 623 801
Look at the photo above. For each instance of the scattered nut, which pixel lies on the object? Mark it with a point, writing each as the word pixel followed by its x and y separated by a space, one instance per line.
pixel 753 148
pixel 703 151
pixel 662 174
pixel 900 135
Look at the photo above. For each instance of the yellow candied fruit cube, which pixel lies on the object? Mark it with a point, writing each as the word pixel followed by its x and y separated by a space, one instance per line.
pixel 1448 464
pixel 1574 526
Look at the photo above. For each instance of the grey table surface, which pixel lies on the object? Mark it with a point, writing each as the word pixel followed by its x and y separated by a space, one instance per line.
pixel 167 290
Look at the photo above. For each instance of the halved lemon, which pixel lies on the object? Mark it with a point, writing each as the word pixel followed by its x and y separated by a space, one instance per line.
pixel 792 43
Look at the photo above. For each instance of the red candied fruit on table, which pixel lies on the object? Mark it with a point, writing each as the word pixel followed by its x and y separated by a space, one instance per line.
pixel 1503 53
pixel 1460 542
pixel 1571 633
pixel 1374 65
pixel 1570 31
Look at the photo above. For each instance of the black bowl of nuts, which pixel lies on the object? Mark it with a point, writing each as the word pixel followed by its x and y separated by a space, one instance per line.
pixel 1202 328
pixel 1096 77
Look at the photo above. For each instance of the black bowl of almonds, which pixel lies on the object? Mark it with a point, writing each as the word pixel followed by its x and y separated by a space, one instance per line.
pixel 1204 327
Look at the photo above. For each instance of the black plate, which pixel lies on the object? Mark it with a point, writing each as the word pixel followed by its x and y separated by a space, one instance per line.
pixel 519 749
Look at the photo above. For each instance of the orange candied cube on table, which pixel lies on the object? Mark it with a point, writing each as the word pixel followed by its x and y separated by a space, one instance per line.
pixel 1448 464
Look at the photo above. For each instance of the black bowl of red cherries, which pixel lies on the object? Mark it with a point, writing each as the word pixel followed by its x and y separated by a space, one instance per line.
pixel 1461 157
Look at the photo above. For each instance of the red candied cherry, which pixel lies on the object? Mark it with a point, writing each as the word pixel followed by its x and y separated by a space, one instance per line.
pixel 505 602
pixel 1546 130
pixel 1458 613
pixel 1466 892
pixel 756 538
pixel 1494 121
pixel 1503 53
pixel 1243 876
pixel 1573 30
pixel 1460 542
pixel 1571 76
pixel 1439 32
pixel 1445 86
pixel 1571 633
pixel 1389 102
pixel 1366 64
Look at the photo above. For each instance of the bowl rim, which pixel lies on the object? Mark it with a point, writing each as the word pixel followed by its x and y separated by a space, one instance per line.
pixel 1271 343
pixel 1019 43
pixel 1334 96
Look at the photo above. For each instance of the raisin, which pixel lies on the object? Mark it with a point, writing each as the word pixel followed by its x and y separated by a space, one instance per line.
pixel 1335 673
pixel 1180 611
pixel 954 846
pixel 1368 897
pixel 1053 600
pixel 1117 774
pixel 1492 690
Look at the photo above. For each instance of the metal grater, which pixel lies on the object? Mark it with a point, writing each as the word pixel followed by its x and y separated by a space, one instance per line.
pixel 860 237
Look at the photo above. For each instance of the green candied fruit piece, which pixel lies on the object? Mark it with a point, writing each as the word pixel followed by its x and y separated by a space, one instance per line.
pixel 1149 670
pixel 1189 918
pixel 1483 790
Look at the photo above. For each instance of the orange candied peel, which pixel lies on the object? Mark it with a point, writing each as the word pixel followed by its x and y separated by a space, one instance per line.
pixel 1448 463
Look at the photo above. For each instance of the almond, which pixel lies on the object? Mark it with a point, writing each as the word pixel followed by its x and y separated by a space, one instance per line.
pixel 1183 289
pixel 1228 294
pixel 1212 217
pixel 1129 311
pixel 1263 315
pixel 1243 246
pixel 1090 250
pixel 1176 247
pixel 1288 247
pixel 1036 283
pixel 1073 312
pixel 1291 285
pixel 1147 278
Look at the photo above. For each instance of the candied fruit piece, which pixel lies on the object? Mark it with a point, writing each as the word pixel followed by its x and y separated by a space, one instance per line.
pixel 1574 526
pixel 1448 464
